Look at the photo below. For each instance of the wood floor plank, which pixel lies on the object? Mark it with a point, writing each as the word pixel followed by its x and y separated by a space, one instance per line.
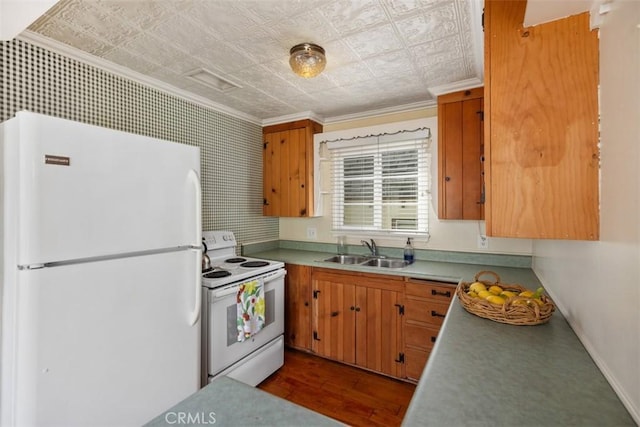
pixel 348 394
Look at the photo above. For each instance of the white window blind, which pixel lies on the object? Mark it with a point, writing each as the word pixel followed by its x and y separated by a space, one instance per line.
pixel 380 184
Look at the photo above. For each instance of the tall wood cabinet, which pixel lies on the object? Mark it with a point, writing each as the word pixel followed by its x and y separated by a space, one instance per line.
pixel 460 155
pixel 297 307
pixel 288 168
pixel 541 125
pixel 357 319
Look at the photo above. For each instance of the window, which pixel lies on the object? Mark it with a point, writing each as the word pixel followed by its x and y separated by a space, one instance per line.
pixel 380 186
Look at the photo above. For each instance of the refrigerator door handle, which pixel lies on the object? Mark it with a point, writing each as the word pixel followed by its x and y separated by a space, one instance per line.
pixel 195 314
pixel 195 180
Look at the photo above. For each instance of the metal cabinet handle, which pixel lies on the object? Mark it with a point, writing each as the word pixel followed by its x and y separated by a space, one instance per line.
pixel 436 314
pixel 442 294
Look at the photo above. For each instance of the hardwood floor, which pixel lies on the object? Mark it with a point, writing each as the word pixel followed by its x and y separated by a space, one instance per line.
pixel 349 395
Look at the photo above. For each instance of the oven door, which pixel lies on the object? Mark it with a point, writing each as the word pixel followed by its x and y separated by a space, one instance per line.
pixel 223 346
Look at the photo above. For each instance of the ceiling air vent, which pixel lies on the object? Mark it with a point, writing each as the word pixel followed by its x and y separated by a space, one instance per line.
pixel 212 80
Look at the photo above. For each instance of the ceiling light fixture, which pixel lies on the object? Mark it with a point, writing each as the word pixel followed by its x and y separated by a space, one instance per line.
pixel 307 59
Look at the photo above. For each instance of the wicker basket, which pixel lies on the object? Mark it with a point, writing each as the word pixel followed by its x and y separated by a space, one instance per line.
pixel 513 314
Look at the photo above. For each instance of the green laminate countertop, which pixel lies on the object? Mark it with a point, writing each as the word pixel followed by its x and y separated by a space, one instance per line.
pixel 227 402
pixel 451 272
pixel 484 373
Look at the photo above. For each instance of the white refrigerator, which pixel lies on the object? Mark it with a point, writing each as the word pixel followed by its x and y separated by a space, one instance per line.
pixel 101 259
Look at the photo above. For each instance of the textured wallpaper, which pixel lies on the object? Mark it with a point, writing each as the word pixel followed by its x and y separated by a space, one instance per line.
pixel 38 80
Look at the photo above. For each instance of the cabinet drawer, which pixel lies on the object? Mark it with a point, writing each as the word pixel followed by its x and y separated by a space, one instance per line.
pixel 422 310
pixel 419 336
pixel 437 291
pixel 414 362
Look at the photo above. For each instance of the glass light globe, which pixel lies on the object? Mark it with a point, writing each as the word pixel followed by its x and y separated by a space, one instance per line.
pixel 307 60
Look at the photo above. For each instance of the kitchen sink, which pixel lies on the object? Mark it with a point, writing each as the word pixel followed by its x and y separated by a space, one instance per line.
pixel 367 261
pixel 385 263
pixel 347 259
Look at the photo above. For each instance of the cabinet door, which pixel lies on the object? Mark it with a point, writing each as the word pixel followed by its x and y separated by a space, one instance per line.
pixel 288 168
pixel 541 130
pixel 378 330
pixel 285 173
pixel 460 153
pixel 334 318
pixel 297 315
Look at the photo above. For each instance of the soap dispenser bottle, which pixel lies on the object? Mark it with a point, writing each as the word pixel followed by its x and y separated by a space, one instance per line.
pixel 408 252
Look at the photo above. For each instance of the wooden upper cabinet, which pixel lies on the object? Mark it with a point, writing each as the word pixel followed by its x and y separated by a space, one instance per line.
pixel 288 168
pixel 460 155
pixel 541 125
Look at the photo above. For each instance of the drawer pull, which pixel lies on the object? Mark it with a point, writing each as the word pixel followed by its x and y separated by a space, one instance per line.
pixel 433 339
pixel 442 294
pixel 436 314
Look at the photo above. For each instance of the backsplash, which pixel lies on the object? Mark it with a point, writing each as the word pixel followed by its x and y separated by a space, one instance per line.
pixel 38 80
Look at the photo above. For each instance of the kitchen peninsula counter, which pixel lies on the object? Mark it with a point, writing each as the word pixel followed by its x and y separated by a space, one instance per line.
pixel 485 373
pixel 227 402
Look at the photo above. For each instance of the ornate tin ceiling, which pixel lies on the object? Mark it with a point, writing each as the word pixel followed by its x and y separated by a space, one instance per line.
pixel 382 55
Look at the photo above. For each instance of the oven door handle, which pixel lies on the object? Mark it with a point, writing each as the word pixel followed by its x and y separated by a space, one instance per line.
pixel 218 294
pixel 226 291
pixel 274 275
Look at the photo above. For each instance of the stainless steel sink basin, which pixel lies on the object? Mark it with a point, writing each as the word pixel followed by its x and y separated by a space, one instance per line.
pixel 346 259
pixel 385 263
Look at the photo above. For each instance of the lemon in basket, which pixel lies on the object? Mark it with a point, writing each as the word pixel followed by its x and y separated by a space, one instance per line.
pixel 477 287
pixel 495 299
pixel 484 294
pixel 495 289
pixel 508 294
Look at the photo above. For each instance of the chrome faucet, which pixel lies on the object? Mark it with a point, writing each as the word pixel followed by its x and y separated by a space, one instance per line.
pixel 372 247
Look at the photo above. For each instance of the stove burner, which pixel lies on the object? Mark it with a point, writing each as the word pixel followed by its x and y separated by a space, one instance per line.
pixel 217 274
pixel 235 260
pixel 206 270
pixel 254 264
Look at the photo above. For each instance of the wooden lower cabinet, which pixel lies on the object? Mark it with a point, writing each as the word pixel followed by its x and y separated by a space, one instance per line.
pixel 426 304
pixel 357 319
pixel 297 307
pixel 386 324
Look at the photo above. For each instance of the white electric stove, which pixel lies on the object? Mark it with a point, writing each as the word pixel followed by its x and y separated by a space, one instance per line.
pixel 252 360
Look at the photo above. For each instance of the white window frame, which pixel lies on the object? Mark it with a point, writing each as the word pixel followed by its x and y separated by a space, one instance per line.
pixel 376 146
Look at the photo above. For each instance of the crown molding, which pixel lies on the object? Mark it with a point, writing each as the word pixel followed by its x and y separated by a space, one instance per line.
pixel 381 112
pixel 78 55
pixel 294 117
pixel 455 87
pixel 350 117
